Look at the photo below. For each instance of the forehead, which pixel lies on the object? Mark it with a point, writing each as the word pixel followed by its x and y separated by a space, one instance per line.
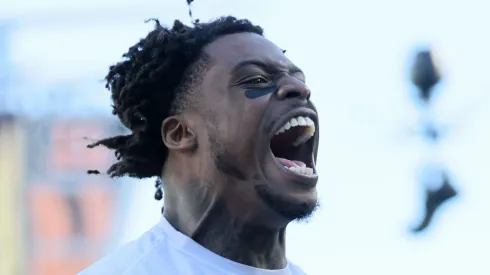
pixel 233 49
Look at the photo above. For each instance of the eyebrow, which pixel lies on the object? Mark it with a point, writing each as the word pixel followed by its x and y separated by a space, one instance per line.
pixel 265 66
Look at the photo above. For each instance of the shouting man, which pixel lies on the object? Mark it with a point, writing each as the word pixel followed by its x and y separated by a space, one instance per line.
pixel 223 118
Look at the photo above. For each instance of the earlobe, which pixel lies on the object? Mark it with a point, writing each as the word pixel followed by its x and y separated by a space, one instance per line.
pixel 176 135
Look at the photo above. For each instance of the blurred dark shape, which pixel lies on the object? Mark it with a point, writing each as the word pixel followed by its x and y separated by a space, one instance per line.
pixel 93 172
pixel 425 75
pixel 434 200
pixel 75 209
pixel 432 133
pixel 6 117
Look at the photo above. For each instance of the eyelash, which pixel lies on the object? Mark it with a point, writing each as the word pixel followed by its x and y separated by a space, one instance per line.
pixel 256 80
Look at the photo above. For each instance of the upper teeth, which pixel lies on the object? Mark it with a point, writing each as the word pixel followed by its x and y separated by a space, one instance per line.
pixel 300 121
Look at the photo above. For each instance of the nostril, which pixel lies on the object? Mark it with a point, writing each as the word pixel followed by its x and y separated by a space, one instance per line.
pixel 293 94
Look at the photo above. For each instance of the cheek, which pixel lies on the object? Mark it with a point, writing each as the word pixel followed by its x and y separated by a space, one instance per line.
pixel 242 122
pixel 247 115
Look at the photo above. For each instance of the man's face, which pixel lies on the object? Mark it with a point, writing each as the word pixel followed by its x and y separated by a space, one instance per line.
pixel 259 128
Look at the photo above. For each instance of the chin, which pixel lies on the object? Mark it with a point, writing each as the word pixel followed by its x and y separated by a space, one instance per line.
pixel 288 207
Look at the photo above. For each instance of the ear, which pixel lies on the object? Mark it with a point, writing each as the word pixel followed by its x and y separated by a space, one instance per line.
pixel 177 135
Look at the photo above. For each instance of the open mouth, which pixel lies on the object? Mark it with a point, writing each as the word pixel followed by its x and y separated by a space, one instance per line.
pixel 292 145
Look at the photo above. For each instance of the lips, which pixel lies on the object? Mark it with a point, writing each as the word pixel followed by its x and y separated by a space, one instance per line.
pixel 293 142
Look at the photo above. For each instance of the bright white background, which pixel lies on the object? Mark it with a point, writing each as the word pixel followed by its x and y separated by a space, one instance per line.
pixel 356 56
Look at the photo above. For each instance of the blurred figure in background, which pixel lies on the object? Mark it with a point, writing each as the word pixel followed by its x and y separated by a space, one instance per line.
pixel 434 177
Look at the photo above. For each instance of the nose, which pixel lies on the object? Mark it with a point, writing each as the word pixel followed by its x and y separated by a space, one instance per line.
pixel 293 88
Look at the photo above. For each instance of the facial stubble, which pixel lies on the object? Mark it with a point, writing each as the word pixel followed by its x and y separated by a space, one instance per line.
pixel 226 163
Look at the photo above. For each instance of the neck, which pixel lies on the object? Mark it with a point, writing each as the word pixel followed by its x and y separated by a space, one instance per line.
pixel 199 211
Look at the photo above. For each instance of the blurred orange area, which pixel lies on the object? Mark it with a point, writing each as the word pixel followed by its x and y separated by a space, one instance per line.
pixel 61 265
pixel 69 214
pixel 60 248
pixel 52 217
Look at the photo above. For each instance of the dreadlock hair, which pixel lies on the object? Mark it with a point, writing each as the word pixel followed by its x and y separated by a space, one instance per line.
pixel 155 80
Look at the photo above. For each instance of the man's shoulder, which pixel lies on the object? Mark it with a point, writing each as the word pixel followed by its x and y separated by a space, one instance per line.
pixel 135 257
pixel 296 270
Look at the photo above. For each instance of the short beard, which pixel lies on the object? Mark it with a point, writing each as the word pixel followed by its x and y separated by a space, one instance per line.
pixel 227 164
pixel 299 211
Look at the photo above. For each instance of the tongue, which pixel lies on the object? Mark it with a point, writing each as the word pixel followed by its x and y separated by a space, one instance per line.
pixel 291 163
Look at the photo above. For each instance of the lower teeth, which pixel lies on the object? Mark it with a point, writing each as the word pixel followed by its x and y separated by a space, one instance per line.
pixel 301 170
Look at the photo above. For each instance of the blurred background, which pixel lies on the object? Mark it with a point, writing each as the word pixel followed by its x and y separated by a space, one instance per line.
pixel 378 134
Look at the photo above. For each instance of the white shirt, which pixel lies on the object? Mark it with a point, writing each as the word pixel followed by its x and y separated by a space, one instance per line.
pixel 165 251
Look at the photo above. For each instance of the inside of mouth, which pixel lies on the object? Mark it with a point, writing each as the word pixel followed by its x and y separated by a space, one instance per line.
pixel 284 150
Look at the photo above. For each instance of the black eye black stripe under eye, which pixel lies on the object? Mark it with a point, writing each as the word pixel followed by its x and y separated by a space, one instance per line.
pixel 258 92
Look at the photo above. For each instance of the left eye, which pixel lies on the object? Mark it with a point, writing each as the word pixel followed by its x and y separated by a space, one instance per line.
pixel 256 80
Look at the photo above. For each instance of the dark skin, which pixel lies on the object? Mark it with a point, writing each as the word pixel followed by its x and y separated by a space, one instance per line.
pixel 223 187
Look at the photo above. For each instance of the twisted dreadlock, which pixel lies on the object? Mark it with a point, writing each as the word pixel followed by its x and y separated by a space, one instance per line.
pixel 156 80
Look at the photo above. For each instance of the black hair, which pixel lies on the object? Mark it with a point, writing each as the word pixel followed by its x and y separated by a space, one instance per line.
pixel 156 80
